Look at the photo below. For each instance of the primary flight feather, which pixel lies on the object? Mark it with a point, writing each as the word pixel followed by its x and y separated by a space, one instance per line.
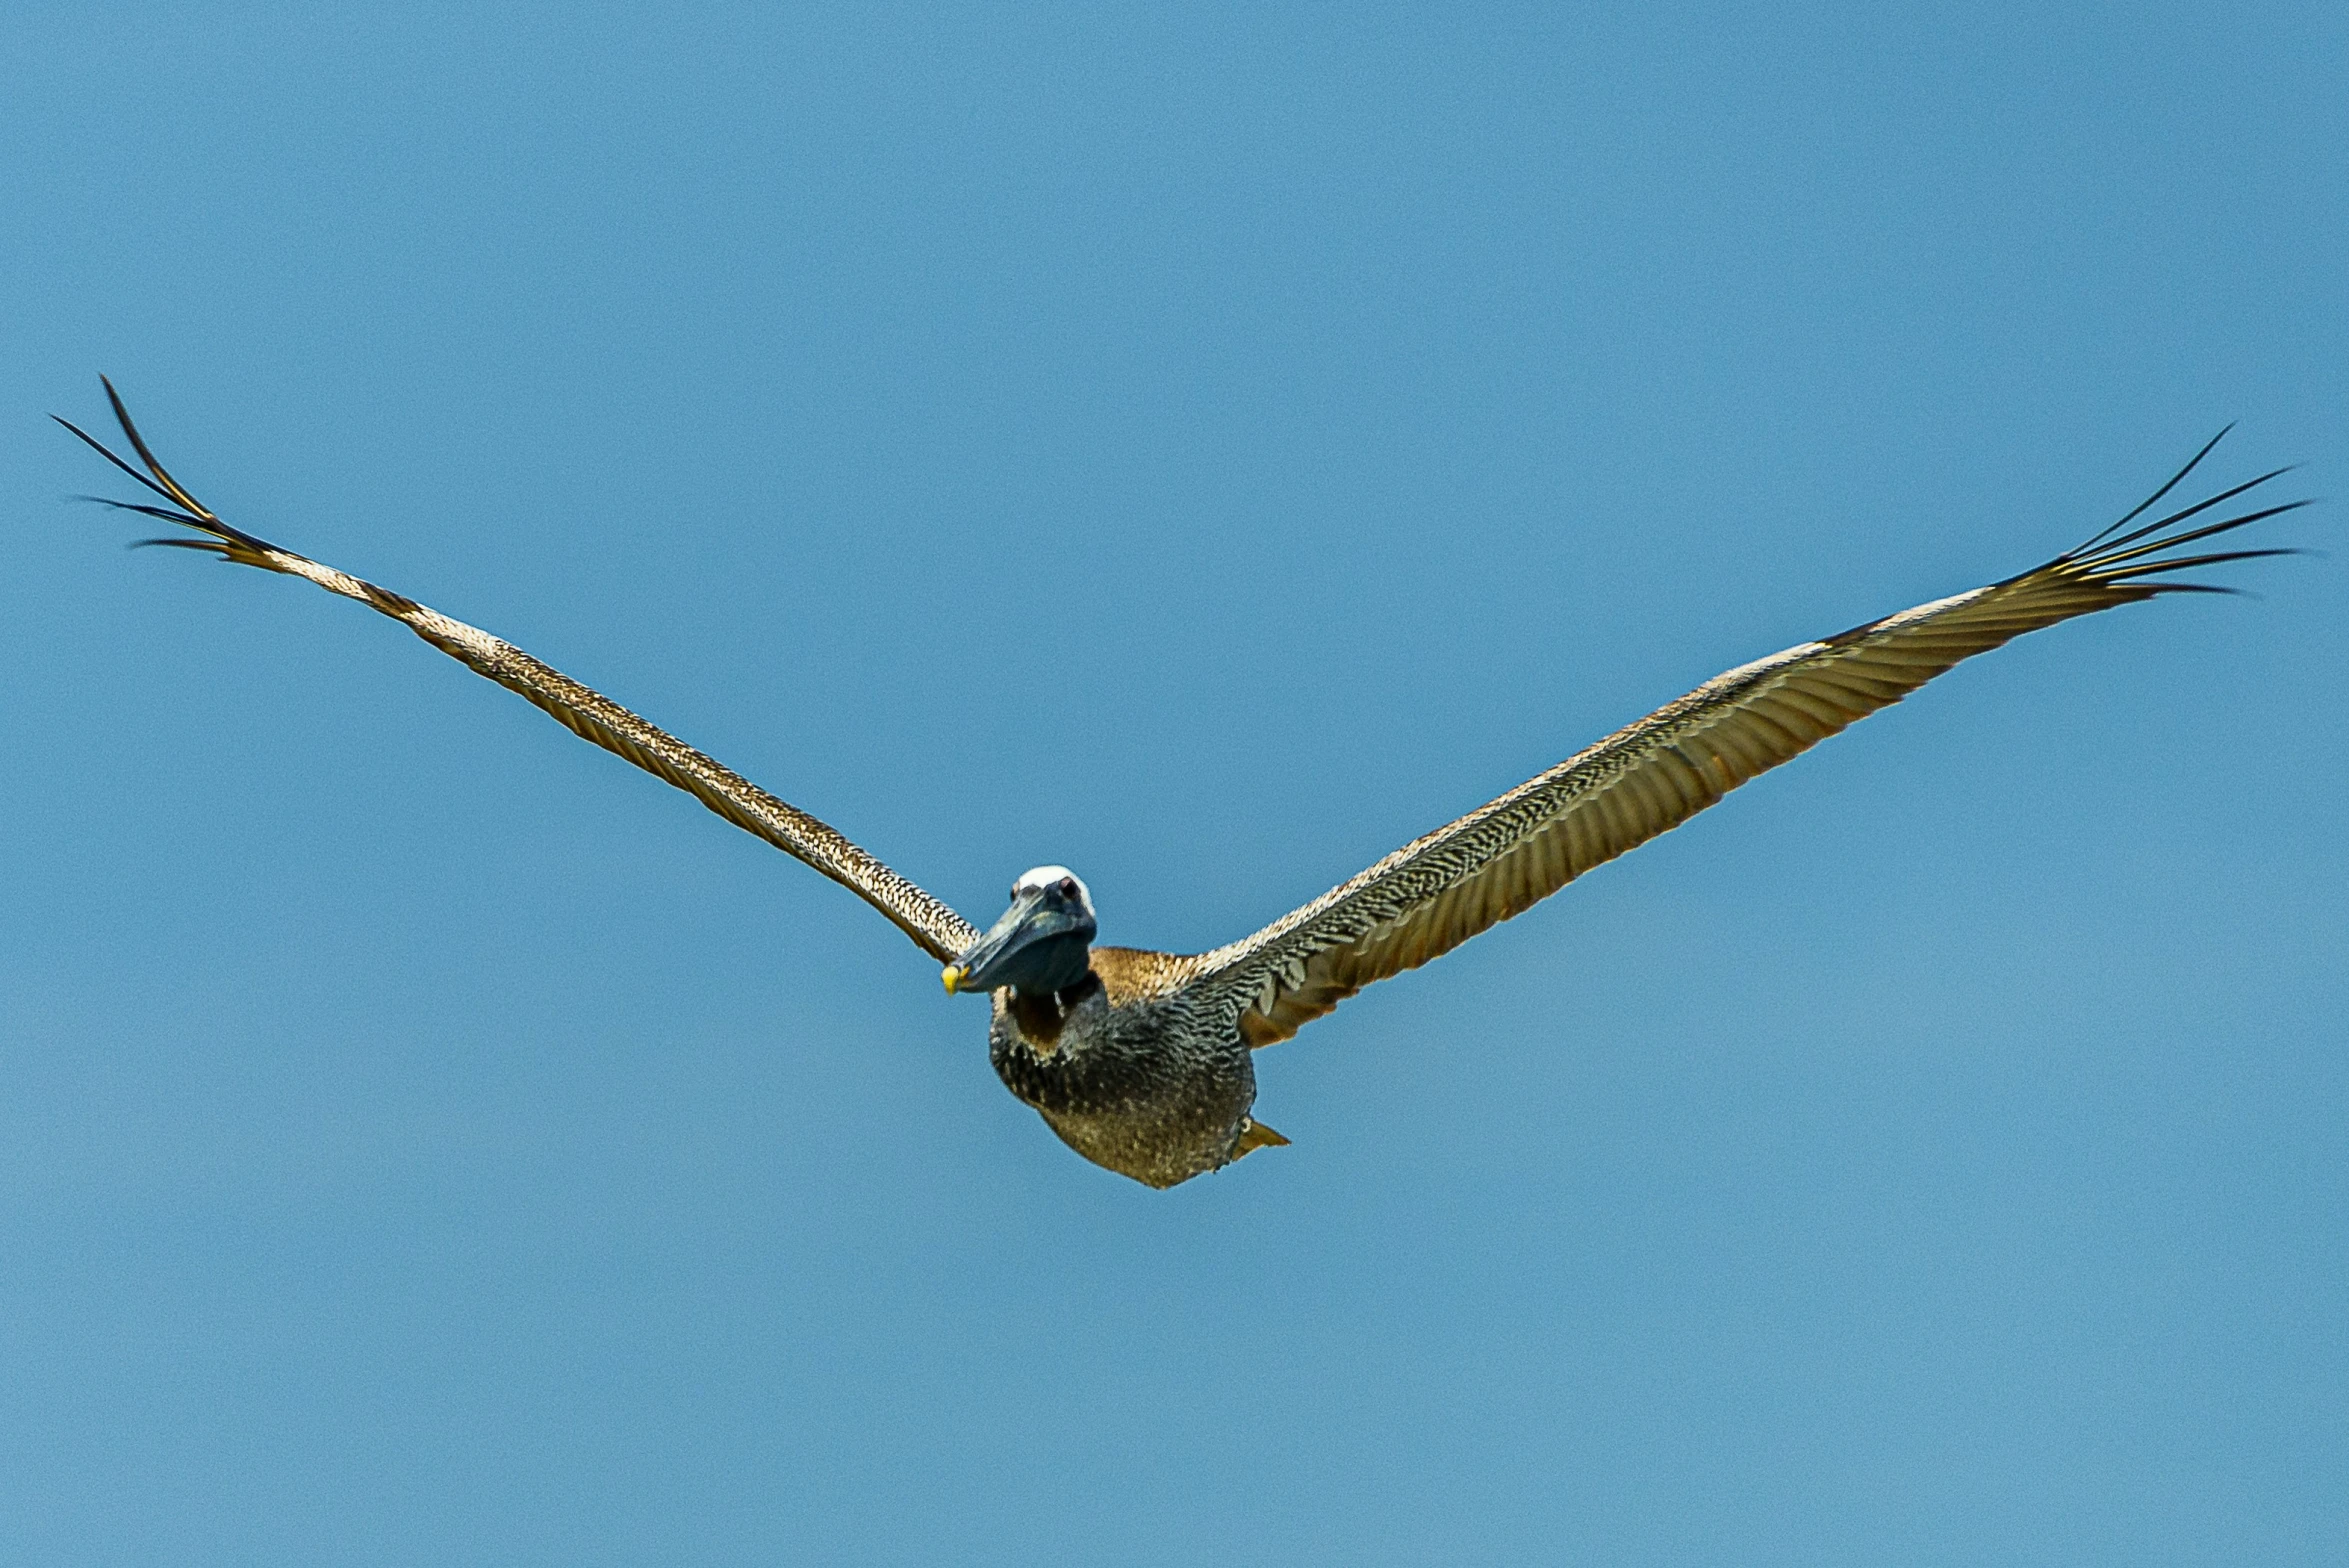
pixel 1140 1061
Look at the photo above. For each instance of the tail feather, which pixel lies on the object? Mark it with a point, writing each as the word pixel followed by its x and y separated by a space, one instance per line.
pixel 1255 1135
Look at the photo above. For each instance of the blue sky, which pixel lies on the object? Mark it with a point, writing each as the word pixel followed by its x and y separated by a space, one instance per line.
pixel 1207 448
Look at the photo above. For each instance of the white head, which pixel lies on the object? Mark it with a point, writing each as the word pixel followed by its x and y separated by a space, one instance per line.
pixel 1037 878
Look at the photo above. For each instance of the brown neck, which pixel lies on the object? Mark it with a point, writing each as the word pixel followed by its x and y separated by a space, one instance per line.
pixel 1041 1017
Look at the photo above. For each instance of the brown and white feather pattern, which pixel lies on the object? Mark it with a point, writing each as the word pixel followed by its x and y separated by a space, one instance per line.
pixel 1431 895
pixel 936 929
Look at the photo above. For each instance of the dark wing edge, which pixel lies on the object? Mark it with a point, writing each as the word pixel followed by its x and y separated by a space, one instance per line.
pixel 1649 777
pixel 936 929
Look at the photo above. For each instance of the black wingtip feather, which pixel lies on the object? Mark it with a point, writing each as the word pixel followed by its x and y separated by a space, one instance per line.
pixel 172 487
pixel 2188 563
pixel 2130 562
pixel 2116 552
pixel 106 452
pixel 214 545
pixel 2146 505
pixel 162 514
pixel 191 512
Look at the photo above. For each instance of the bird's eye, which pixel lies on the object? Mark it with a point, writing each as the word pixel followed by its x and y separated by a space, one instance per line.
pixel 1014 894
pixel 1068 887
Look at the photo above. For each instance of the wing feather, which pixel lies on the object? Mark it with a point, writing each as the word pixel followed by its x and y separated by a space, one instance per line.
pixel 1651 776
pixel 936 929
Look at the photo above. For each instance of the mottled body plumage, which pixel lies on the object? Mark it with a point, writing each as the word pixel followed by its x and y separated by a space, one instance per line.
pixel 1140 1060
pixel 1152 1087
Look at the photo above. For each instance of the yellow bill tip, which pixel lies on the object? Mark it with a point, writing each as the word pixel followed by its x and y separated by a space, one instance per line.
pixel 952 975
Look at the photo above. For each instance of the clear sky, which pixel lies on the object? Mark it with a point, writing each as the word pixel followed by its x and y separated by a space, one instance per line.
pixel 1207 446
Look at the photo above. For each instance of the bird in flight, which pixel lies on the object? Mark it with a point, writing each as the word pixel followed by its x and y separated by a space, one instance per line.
pixel 1142 1061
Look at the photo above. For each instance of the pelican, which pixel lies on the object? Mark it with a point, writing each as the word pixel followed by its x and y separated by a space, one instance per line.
pixel 1142 1061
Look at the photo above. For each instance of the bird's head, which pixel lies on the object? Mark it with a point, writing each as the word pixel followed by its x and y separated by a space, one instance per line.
pixel 1042 943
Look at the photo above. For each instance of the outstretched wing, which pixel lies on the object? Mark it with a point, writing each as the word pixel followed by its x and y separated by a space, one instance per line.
pixel 1430 896
pixel 936 929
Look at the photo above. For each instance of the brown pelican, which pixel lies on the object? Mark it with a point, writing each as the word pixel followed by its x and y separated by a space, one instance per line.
pixel 1140 1061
